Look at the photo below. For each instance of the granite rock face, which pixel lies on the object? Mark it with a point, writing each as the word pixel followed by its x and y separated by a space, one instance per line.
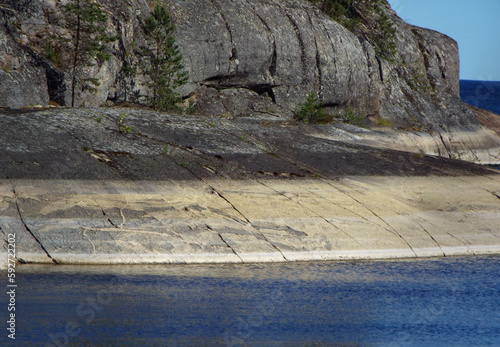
pixel 23 79
pixel 282 50
pixel 264 56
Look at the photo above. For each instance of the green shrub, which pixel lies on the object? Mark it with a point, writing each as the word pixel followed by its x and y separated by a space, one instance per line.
pixel 184 164
pixel 190 108
pixel 342 11
pixel 53 54
pixel 384 122
pixel 122 127
pixel 312 110
pixel 358 16
pixel 354 119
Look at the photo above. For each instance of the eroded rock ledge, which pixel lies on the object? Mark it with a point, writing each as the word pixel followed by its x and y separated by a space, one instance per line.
pixel 187 189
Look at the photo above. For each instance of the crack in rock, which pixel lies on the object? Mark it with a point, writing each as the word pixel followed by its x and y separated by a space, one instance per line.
pixel 319 76
pixel 104 214
pixel 28 229
pixel 233 58
pixel 449 150
pixel 391 229
pixel 456 238
pixel 272 39
pixel 494 193
pixel 312 211
pixel 428 233
pixel 227 244
pixel 300 39
pixel 214 190
pixel 108 219
pixel 250 223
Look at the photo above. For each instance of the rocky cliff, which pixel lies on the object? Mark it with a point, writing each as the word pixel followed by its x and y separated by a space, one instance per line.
pixel 248 57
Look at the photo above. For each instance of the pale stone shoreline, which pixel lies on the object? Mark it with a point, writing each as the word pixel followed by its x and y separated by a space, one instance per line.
pixel 481 146
pixel 190 189
pixel 252 220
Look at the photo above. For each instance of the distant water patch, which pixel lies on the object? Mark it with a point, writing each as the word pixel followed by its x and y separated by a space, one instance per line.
pixel 482 94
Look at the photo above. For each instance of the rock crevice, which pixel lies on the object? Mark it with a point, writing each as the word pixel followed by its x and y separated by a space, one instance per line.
pixel 27 228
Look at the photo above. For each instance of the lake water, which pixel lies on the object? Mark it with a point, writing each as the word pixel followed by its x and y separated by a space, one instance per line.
pixel 429 302
pixel 482 94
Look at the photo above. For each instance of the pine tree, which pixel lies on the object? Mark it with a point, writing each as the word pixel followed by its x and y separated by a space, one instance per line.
pixel 163 70
pixel 86 22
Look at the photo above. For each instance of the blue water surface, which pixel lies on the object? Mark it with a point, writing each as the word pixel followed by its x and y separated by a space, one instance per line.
pixel 482 94
pixel 430 302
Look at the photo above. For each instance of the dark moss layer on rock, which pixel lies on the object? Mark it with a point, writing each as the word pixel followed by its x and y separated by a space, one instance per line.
pixel 88 144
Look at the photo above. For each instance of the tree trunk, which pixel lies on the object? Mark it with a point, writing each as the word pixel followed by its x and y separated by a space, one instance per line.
pixel 157 72
pixel 75 58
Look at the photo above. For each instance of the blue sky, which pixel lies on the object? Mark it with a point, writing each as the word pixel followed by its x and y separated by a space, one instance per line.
pixel 475 24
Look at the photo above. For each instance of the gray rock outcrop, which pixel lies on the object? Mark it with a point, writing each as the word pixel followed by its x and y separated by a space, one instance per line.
pixel 248 57
pixel 23 80
pixel 190 189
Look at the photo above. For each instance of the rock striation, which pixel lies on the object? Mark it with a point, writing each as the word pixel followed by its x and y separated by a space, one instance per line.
pixel 249 221
pixel 245 58
pixel 190 189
